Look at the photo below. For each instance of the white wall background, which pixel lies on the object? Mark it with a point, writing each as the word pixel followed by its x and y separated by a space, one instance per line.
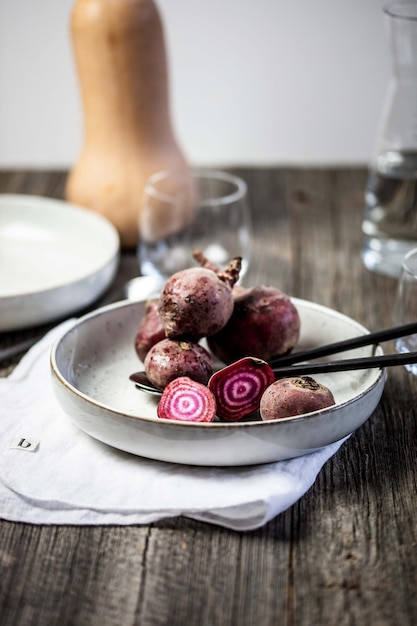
pixel 251 81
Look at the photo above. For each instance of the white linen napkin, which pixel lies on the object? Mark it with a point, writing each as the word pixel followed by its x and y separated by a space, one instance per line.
pixel 53 473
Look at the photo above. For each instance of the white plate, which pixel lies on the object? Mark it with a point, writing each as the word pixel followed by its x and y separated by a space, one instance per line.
pixel 55 259
pixel 92 362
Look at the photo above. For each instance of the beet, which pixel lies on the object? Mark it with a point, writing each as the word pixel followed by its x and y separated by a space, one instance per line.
pixel 188 401
pixel 169 359
pixel 198 301
pixel 238 388
pixel 150 330
pixel 294 396
pixel 264 324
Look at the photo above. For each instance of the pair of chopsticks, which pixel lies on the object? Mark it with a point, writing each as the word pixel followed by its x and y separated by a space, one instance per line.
pixel 280 364
pixel 293 364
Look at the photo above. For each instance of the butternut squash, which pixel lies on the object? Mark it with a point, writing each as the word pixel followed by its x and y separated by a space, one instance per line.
pixel 121 63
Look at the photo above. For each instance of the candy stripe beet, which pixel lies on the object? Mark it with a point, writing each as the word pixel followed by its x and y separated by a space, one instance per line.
pixel 186 400
pixel 238 387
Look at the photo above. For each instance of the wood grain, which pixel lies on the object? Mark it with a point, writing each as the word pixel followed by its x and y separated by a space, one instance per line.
pixel 345 554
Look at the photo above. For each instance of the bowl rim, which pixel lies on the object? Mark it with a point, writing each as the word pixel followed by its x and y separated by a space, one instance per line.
pixel 110 253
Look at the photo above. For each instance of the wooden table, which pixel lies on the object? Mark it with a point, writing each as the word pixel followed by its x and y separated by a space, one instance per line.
pixel 346 553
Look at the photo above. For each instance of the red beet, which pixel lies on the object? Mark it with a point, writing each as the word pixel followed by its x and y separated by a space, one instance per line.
pixel 238 388
pixel 169 359
pixel 264 324
pixel 294 396
pixel 188 401
pixel 150 330
pixel 198 301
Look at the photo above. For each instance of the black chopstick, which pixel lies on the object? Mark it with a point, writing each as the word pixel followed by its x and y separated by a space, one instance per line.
pixel 367 362
pixel 348 344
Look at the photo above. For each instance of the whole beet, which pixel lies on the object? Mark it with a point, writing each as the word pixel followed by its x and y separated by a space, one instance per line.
pixel 294 396
pixel 169 359
pixel 198 301
pixel 150 330
pixel 264 324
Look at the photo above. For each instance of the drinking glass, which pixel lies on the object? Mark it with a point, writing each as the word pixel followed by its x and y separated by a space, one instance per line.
pixel 405 307
pixel 390 221
pixel 199 209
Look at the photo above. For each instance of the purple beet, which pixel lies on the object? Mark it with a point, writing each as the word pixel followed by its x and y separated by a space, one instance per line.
pixel 294 396
pixel 264 324
pixel 198 301
pixel 150 330
pixel 169 359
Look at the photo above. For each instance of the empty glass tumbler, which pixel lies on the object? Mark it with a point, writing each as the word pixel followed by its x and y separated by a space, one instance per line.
pixel 207 211
pixel 390 221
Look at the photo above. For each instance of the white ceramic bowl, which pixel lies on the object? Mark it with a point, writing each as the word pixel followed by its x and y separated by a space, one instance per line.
pixel 92 362
pixel 56 258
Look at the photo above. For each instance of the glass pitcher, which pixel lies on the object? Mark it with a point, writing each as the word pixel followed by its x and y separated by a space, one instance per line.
pixel 390 222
